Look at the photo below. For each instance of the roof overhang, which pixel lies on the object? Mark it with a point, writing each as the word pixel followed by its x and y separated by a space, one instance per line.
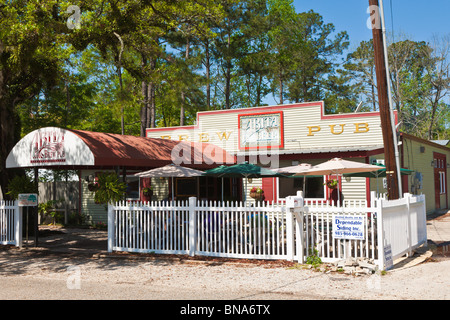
pixel 364 150
pixel 57 147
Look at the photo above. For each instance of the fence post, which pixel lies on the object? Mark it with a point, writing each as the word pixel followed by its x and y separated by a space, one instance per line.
pixel 380 233
pixel 299 212
pixel 290 204
pixel 407 197
pixel 293 205
pixel 18 214
pixel 192 226
pixel 111 227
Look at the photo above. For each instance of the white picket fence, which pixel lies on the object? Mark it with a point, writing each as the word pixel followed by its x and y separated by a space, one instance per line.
pixel 10 223
pixel 201 228
pixel 292 230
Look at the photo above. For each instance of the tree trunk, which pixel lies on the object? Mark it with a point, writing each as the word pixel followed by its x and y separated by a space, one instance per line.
pixel 208 76
pixel 8 137
pixel 144 108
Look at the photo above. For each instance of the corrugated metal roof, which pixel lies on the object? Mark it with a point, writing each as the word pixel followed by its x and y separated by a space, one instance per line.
pixel 311 150
pixel 123 150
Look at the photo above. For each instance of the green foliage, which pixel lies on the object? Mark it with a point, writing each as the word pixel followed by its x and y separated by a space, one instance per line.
pixel 47 208
pixel 313 258
pixel 137 64
pixel 110 189
pixel 20 184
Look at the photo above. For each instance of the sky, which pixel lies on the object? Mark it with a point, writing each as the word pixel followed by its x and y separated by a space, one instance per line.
pixel 419 20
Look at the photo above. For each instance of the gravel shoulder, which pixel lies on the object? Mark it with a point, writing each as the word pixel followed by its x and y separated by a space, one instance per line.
pixel 68 273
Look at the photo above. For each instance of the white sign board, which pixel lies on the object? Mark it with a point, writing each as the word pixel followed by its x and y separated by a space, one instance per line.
pixel 28 200
pixel 261 130
pixel 388 261
pixel 348 227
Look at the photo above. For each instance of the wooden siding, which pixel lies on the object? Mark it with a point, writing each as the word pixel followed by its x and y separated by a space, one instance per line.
pixel 419 161
pixel 300 126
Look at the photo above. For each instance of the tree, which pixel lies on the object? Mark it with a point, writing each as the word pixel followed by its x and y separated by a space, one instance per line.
pixel 316 59
pixel 30 60
pixel 361 66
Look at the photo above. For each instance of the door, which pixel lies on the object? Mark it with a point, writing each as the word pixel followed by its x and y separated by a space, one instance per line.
pixel 440 180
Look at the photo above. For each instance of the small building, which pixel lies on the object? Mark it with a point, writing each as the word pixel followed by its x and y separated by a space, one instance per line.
pixel 285 135
pixel 91 153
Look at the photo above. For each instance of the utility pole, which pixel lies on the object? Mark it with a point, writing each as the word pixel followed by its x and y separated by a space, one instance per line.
pixel 390 149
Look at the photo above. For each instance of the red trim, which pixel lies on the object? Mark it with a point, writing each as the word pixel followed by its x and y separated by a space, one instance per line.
pixel 274 109
pixel 280 146
pixel 170 128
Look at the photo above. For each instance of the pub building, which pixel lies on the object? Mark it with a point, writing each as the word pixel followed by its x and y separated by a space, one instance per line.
pixel 270 136
pixel 290 134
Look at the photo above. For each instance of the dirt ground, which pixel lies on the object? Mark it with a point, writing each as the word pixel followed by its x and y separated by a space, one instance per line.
pixel 72 264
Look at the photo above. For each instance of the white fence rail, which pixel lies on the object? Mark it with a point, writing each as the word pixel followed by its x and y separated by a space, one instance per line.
pixel 292 230
pixel 10 223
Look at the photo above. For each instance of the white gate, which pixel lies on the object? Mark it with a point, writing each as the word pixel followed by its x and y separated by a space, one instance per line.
pixel 10 223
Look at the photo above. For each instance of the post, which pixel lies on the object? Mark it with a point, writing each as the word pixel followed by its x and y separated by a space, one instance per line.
pixel 289 232
pixel 385 115
pixel 18 214
pixel 380 233
pixel 293 205
pixel 192 226
pixel 35 209
pixel 111 227
pixel 407 197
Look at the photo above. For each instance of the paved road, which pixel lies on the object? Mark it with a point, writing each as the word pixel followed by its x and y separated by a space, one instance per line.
pixel 68 273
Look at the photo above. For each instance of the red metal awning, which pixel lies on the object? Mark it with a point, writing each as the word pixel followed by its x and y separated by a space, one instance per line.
pixel 50 147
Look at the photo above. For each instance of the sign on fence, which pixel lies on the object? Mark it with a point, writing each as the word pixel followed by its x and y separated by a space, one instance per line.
pixel 28 200
pixel 348 227
pixel 388 261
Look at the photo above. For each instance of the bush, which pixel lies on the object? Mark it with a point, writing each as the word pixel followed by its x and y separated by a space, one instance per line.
pixel 20 184
pixel 110 189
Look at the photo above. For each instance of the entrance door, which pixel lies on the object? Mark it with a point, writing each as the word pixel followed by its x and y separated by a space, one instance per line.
pixel 440 179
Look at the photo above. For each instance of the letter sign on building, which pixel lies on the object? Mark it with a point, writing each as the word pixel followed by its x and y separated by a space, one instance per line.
pixel 261 130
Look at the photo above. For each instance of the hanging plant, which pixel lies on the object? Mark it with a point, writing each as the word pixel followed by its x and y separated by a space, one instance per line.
pixel 93 186
pixel 110 189
pixel 331 183
pixel 148 191
pixel 256 193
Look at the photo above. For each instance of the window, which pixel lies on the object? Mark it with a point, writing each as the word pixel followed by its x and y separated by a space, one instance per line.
pixel 289 187
pixel 442 181
pixel 132 188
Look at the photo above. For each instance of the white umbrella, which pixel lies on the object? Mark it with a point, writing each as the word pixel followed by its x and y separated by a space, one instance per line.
pixel 338 166
pixel 170 170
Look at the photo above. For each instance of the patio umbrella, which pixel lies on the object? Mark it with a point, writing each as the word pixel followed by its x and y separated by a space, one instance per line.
pixel 170 170
pixel 381 173
pixel 338 166
pixel 242 170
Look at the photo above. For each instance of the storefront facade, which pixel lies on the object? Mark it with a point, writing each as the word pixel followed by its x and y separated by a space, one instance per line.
pixel 91 153
pixel 285 135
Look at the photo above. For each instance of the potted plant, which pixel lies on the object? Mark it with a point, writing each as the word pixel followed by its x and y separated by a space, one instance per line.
pixel 147 191
pixel 257 193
